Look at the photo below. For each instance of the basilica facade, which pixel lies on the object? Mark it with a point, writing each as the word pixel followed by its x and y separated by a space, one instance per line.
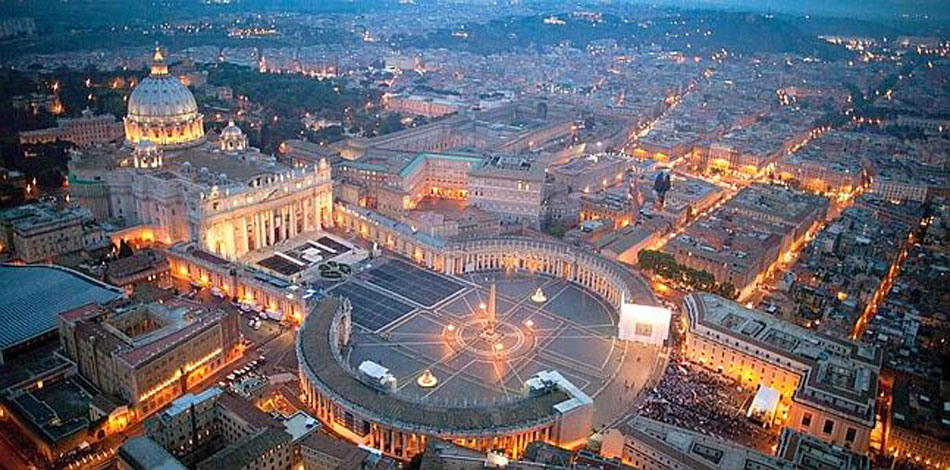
pixel 177 184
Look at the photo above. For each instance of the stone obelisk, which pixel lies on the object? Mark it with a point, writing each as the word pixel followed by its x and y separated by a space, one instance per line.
pixel 490 310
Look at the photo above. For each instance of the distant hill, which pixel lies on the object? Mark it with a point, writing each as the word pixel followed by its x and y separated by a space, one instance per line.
pixel 738 32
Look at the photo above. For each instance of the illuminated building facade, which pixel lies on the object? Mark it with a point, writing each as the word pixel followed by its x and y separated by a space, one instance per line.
pixel 40 232
pixel 510 187
pixel 252 439
pixel 83 131
pixel 553 410
pixel 741 241
pixel 916 431
pixel 226 196
pixel 592 172
pixel 251 204
pixel 607 278
pixel 189 262
pixel 828 386
pixel 428 106
pixel 647 444
pixel 149 355
pixel 613 207
pixel 822 176
pixel 439 175
pixel 143 266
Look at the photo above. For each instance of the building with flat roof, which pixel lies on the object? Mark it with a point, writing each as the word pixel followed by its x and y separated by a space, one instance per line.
pixel 142 266
pixel 35 296
pixel 917 429
pixel 38 232
pixel 88 129
pixel 303 152
pixel 54 413
pixel 740 241
pixel 428 105
pixel 393 182
pixel 215 429
pixel 810 453
pixel 828 386
pixel 625 244
pixel 148 355
pixel 651 445
pixel 592 172
pixel 142 453
pixel 321 451
pixel 264 449
pixel 510 187
pixel 746 152
pixel 251 286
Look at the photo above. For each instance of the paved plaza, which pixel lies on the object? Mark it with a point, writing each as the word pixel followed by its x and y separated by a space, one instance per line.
pixel 409 319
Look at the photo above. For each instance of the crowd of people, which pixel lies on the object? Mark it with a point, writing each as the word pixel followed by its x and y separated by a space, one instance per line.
pixel 692 398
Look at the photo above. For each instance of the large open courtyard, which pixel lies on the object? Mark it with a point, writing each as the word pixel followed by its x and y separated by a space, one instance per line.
pixel 411 320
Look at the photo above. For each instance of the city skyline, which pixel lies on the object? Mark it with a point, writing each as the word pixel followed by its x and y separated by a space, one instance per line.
pixel 410 234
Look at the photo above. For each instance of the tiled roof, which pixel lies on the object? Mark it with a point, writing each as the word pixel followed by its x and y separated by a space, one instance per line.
pixel 245 451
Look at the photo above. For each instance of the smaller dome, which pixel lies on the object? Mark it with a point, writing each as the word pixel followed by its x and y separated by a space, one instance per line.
pixel 232 130
pixel 145 147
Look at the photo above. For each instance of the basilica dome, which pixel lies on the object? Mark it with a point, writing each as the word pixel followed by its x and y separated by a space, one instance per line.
pixel 163 111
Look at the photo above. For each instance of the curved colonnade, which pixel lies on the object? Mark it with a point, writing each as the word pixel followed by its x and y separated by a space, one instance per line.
pixel 398 427
pixel 609 279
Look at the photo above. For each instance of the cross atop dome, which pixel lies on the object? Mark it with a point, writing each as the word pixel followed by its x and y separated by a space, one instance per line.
pixel 158 66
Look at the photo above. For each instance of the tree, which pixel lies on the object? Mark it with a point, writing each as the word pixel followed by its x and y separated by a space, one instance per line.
pixel 556 230
pixel 391 123
pixel 727 290
pixel 665 265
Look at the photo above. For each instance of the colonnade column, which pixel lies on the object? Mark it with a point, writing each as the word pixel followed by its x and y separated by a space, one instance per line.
pixel 317 206
pixel 285 222
pixel 293 218
pixel 242 224
pixel 271 225
pixel 258 233
pixel 306 213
